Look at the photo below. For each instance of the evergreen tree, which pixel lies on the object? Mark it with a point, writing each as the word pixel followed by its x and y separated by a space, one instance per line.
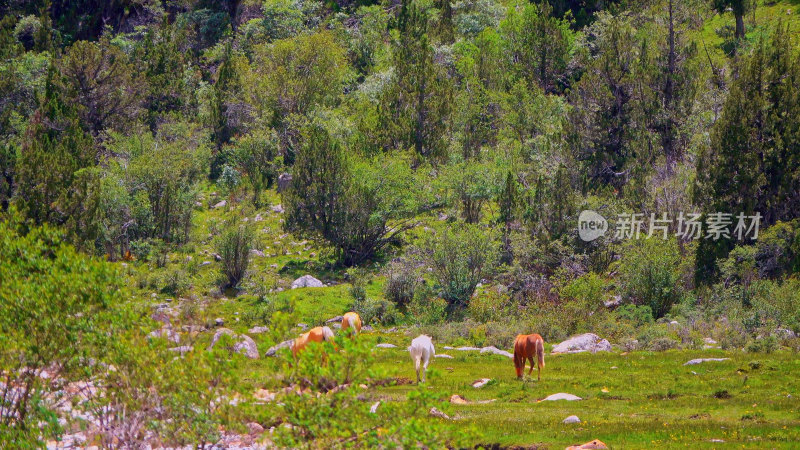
pixel 54 149
pixel 753 163
pixel 739 8
pixel 414 110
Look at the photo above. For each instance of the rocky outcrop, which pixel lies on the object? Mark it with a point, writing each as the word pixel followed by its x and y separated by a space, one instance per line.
pixel 587 342
pixel 244 344
pixel 307 281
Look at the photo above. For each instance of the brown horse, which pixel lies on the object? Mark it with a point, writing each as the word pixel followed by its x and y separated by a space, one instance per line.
pixel 317 334
pixel 352 320
pixel 528 346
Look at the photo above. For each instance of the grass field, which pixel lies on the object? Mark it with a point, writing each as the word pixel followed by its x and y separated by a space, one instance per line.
pixel 635 400
pixel 651 399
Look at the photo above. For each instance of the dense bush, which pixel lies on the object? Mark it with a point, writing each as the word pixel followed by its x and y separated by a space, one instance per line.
pixel 650 274
pixel 460 258
pixel 234 247
pixel 402 281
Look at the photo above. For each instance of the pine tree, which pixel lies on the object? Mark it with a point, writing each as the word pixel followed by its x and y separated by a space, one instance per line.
pixel 739 8
pixel 54 149
pixel 414 110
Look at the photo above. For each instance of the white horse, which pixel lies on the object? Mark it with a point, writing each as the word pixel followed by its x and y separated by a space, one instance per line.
pixel 422 351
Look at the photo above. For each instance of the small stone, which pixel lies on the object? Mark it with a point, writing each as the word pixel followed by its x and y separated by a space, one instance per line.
pixel 255 428
pixel 374 408
pixel 457 399
pixel 258 330
pixel 571 419
pixel 443 355
pixel 481 383
pixel 387 345
pixel 221 204
pixel 702 360
pixel 436 413
pixel 562 396
pixel 219 321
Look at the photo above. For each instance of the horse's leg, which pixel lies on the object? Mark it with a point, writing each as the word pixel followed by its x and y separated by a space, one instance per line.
pixel 530 371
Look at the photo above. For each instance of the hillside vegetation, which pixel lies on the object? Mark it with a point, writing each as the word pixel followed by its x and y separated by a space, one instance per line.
pixel 170 170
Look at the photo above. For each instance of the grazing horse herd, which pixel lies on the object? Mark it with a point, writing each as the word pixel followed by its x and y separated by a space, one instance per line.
pixel 526 347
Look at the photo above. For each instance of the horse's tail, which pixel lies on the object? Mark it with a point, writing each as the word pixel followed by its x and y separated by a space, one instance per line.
pixel 540 352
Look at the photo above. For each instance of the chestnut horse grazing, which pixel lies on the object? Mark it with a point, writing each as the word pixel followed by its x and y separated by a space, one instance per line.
pixel 528 346
pixel 317 334
pixel 422 351
pixel 352 320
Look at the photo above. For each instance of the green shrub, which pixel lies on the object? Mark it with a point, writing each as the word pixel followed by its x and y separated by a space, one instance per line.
pixel 234 247
pixel 459 259
pixel 402 282
pixel 427 310
pixel 650 274
pixel 55 314
pixel 636 315
pixel 376 311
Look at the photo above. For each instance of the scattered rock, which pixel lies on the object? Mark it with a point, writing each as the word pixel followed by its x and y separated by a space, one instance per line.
pixel 302 326
pixel 219 321
pixel 205 263
pixel 221 204
pixel 593 445
pixel 258 330
pixel 674 324
pixel 272 351
pixel 496 351
pixel 615 301
pixel 785 333
pixel 264 395
pixel 306 281
pixel 458 400
pixel 244 344
pixel 443 355
pixel 258 218
pixel 255 428
pixel 717 441
pixel 161 316
pixel 165 333
pixel 562 396
pixel 436 413
pixel 463 349
pixel 284 180
pixel 374 408
pixel 702 360
pixel 335 319
pixel 481 383
pixel 182 349
pixel 571 419
pixel 386 345
pixel 277 209
pixel 217 257
pixel 587 342
pixel 258 253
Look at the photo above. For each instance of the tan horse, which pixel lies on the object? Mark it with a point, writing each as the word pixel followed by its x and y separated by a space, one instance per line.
pixel 528 346
pixel 352 320
pixel 317 334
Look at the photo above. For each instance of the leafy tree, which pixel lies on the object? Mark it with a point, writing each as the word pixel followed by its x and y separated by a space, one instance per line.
pixel 295 76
